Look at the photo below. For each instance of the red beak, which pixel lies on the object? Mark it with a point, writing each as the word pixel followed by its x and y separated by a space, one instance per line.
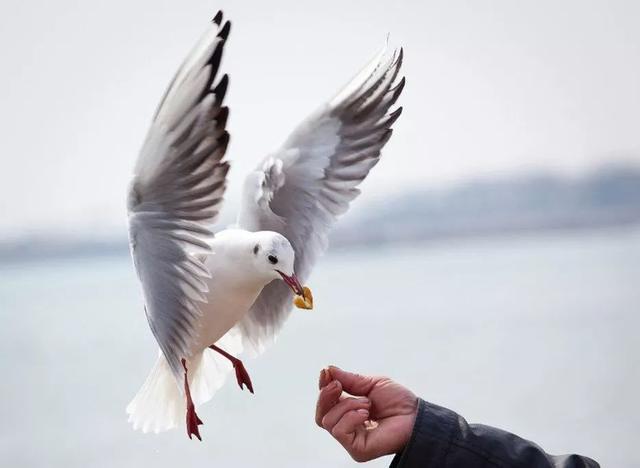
pixel 293 283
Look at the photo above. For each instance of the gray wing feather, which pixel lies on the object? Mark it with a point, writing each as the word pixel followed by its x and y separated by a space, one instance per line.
pixel 301 190
pixel 177 189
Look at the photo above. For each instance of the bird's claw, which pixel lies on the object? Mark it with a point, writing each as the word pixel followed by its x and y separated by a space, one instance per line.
pixel 193 421
pixel 242 376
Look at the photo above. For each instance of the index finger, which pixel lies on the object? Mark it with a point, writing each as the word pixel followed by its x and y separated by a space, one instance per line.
pixel 355 384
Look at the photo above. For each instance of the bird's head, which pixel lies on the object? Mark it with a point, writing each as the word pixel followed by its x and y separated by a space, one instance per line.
pixel 274 257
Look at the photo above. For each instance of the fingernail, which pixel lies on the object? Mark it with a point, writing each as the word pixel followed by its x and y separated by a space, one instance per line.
pixel 363 412
pixel 364 401
pixel 334 385
pixel 323 378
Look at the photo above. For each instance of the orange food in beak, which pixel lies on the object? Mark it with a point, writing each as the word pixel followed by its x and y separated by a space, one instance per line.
pixel 304 301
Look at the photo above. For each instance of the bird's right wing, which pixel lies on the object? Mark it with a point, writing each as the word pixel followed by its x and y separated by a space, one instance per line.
pixel 176 192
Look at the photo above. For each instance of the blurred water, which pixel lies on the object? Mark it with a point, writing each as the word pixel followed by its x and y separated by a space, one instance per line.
pixel 537 335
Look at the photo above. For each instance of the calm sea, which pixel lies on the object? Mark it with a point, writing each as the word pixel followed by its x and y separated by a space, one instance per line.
pixel 534 334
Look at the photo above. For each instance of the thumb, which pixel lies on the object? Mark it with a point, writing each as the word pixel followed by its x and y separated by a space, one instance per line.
pixel 355 384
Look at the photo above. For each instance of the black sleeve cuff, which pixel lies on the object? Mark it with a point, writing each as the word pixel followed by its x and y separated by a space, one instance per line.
pixel 442 437
pixel 433 433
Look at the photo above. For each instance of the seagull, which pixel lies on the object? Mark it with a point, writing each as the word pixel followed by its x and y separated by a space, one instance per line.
pixel 208 297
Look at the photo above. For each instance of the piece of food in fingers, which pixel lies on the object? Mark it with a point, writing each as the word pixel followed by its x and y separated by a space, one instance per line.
pixel 304 301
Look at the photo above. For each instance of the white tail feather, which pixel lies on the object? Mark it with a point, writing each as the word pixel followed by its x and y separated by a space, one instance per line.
pixel 160 404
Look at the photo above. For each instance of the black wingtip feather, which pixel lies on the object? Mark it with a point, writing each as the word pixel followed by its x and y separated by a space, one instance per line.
pixel 400 58
pixel 221 118
pixel 393 117
pixel 396 91
pixel 217 19
pixel 400 86
pixel 224 140
pixel 224 32
pixel 220 90
pixel 214 61
pixel 216 57
pixel 385 137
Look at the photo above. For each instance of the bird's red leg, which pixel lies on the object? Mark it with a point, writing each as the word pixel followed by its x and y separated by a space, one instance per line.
pixel 193 421
pixel 242 376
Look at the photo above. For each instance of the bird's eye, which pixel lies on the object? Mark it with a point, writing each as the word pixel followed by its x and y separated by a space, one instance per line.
pixel 272 259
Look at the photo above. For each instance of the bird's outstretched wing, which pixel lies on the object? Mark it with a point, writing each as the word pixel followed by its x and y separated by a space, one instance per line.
pixel 301 189
pixel 176 192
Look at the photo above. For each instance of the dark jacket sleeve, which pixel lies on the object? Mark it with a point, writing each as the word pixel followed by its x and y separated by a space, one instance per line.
pixel 442 438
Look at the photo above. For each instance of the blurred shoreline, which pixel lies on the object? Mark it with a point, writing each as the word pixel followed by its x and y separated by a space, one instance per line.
pixel 529 203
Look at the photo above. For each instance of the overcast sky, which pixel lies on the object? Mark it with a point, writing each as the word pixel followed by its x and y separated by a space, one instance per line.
pixel 492 87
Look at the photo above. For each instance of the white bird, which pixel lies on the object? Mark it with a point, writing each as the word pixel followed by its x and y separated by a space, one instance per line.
pixel 208 298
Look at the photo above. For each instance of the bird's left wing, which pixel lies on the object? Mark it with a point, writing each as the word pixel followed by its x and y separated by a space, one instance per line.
pixel 176 192
pixel 300 190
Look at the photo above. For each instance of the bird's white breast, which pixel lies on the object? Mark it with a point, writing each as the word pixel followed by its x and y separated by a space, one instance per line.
pixel 232 291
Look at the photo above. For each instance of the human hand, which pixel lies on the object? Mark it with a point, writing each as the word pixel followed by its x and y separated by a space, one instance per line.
pixel 377 423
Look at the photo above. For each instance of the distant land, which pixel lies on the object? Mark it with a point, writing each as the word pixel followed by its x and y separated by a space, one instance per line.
pixel 609 196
